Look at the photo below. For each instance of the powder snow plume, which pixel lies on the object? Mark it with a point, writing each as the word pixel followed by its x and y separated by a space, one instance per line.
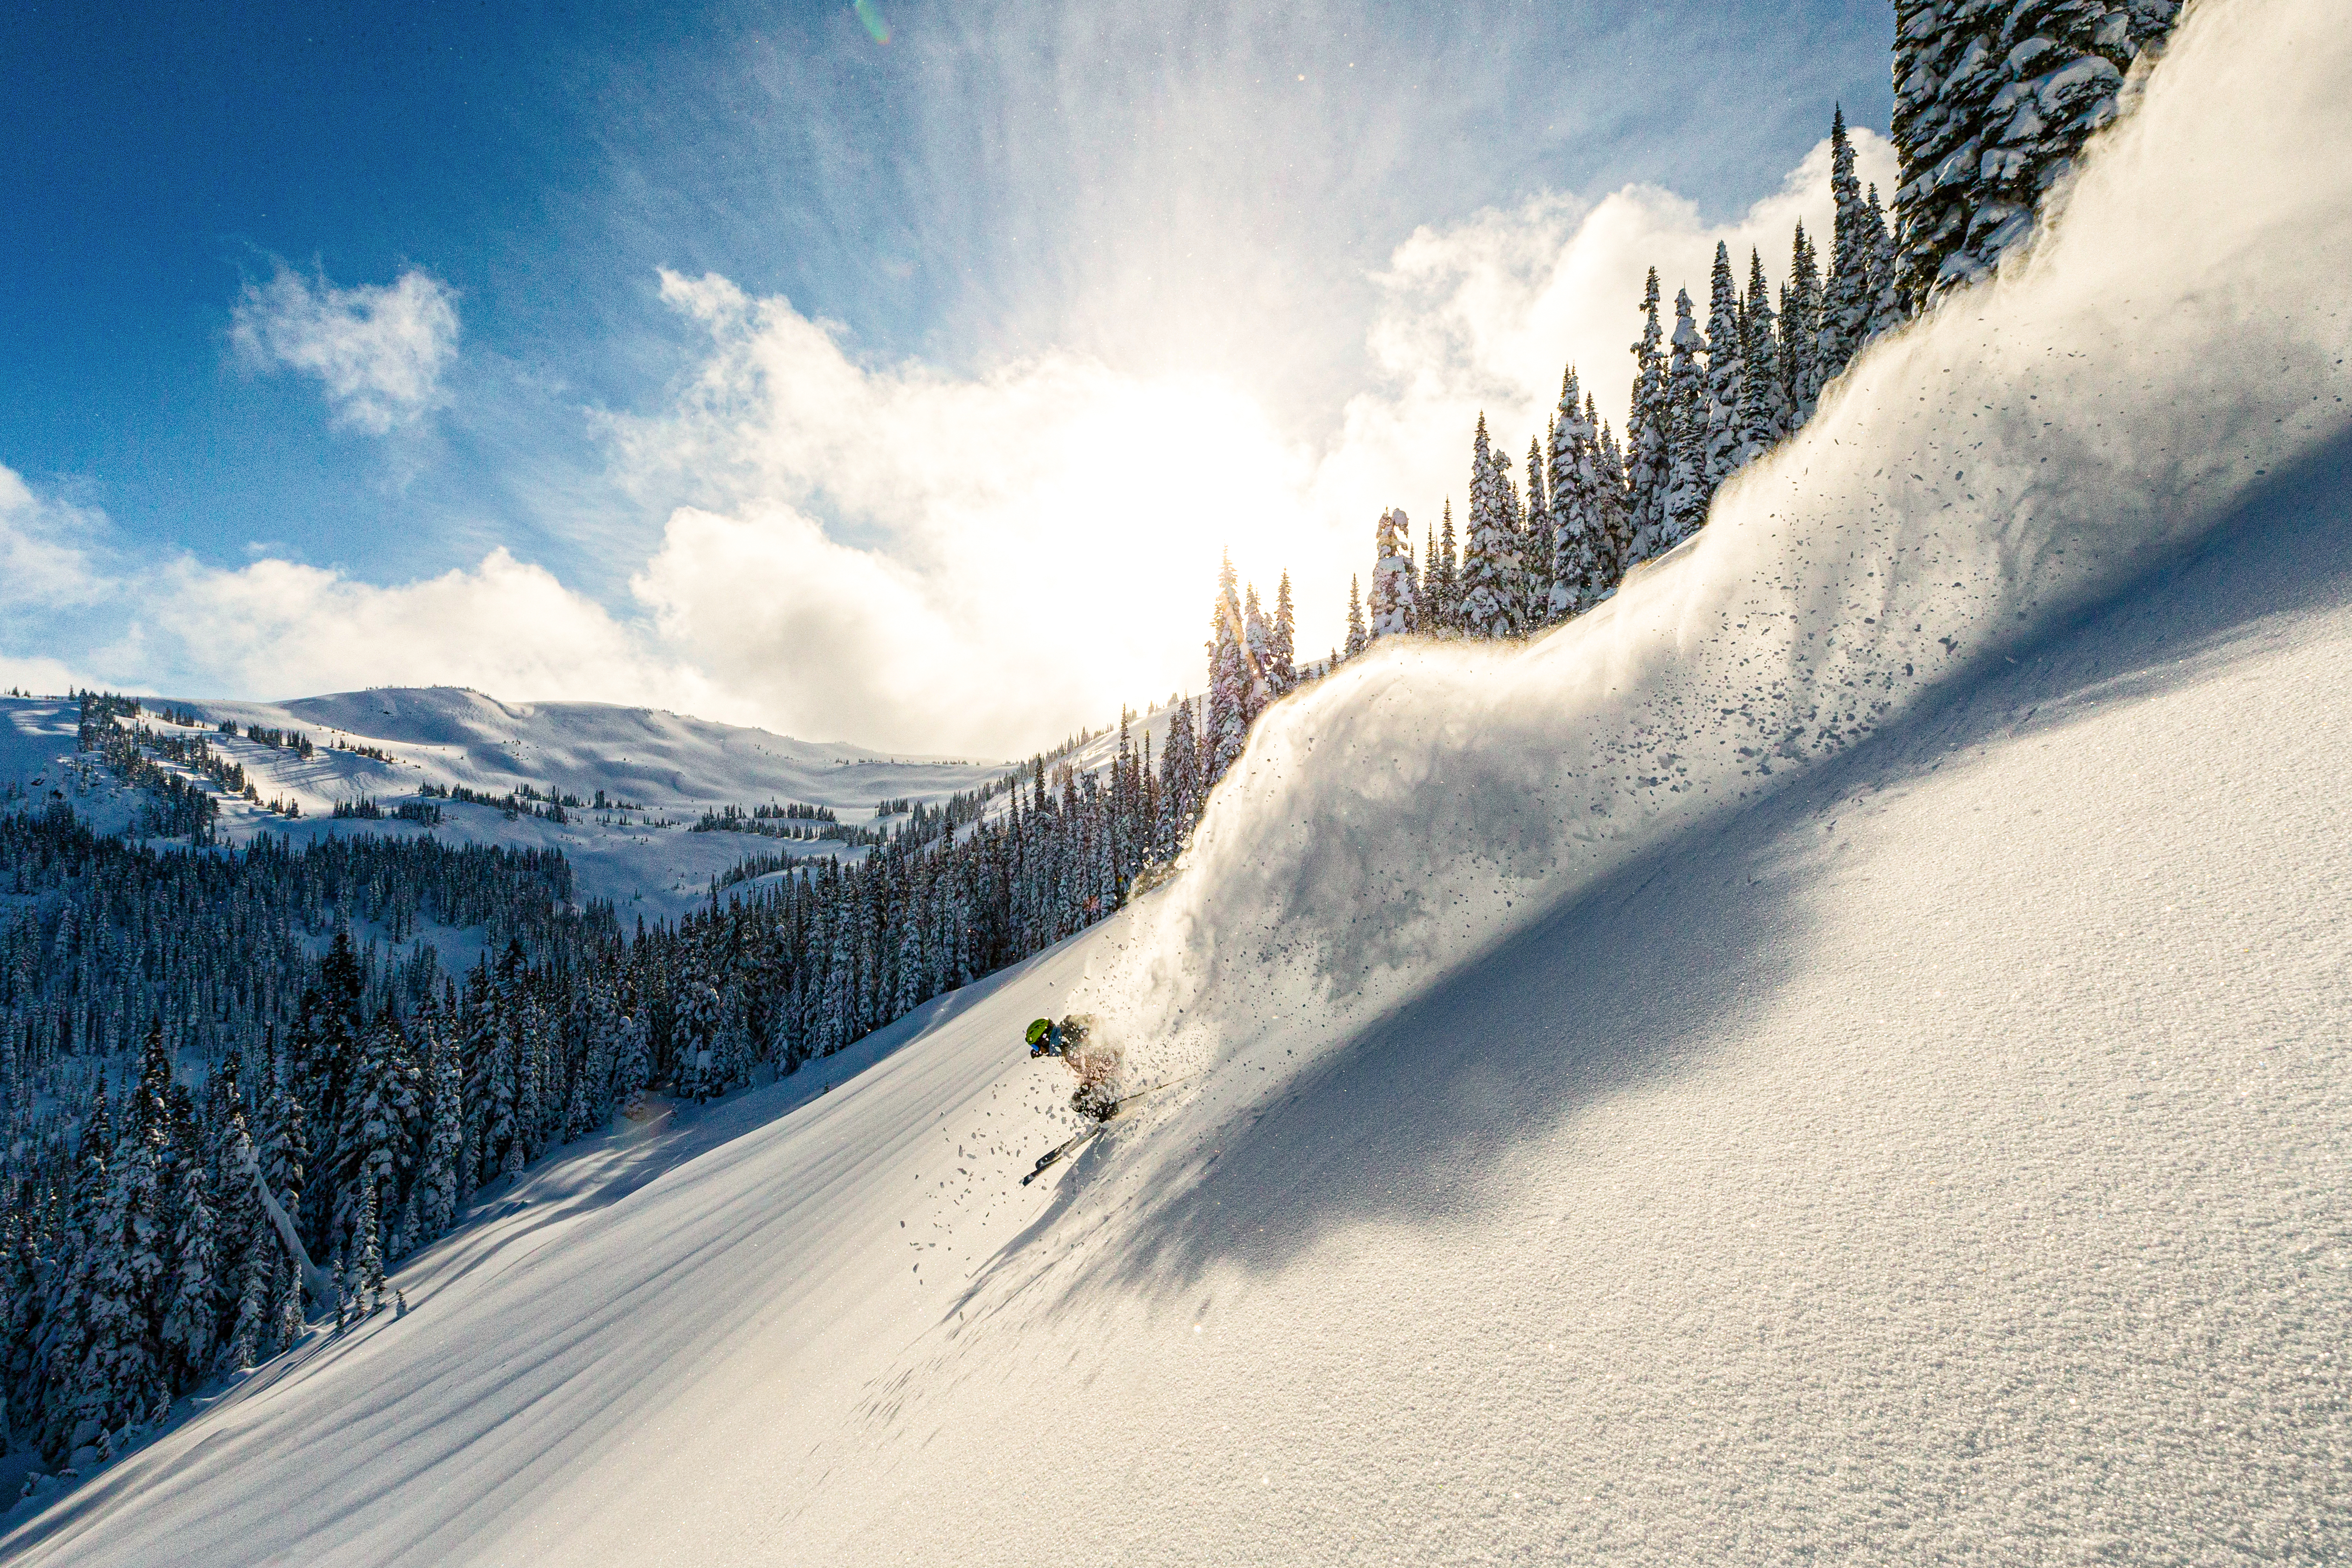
pixel 2177 335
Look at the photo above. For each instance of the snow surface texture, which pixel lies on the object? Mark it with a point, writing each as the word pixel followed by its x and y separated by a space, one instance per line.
pixel 1936 1158
pixel 645 861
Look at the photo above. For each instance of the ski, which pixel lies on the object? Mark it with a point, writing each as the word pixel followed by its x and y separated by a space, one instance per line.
pixel 1071 1146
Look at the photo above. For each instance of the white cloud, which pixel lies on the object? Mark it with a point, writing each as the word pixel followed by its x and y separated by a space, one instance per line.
pixel 45 549
pixel 378 350
pixel 998 556
pixel 279 628
pixel 85 608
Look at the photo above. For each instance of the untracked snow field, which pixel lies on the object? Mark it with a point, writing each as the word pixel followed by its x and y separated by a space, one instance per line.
pixel 1839 1058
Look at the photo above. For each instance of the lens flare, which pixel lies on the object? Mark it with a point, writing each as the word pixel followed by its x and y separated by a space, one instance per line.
pixel 871 15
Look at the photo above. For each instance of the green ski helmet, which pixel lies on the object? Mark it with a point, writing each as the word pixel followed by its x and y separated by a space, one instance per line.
pixel 1040 1029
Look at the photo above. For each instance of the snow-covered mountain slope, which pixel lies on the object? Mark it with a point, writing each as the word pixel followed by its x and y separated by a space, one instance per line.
pixel 1938 1161
pixel 1928 1152
pixel 670 767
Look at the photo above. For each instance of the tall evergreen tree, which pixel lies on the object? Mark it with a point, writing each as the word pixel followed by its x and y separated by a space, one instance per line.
pixel 191 1315
pixel 1229 676
pixel 1577 528
pixel 1616 505
pixel 369 1263
pixel 1536 543
pixel 1726 372
pixel 121 1371
pixel 249 1335
pixel 1393 611
pixel 1687 423
pixel 1442 610
pixel 1357 640
pixel 71 1275
pixel 1490 565
pixel 1180 783
pixel 1257 643
pixel 1646 455
pixel 1887 307
pixel 1763 402
pixel 1800 322
pixel 1938 124
pixel 437 1179
pixel 1281 649
pixel 1846 301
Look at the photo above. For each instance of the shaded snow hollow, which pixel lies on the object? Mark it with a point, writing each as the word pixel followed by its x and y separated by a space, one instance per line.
pixel 1931 1152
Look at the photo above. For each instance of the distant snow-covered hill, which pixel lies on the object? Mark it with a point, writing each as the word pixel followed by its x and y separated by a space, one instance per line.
pixel 668 768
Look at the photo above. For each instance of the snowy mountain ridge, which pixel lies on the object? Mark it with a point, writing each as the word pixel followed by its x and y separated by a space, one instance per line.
pixel 667 769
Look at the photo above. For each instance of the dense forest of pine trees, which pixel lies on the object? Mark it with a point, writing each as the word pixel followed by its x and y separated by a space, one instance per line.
pixel 236 1087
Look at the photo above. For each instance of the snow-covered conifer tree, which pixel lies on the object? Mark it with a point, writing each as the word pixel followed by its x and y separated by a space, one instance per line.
pixel 368 1271
pixel 380 1108
pixel 120 1374
pixel 1887 307
pixel 1281 647
pixel 1229 677
pixel 1576 527
pixel 1392 610
pixel 1441 598
pixel 1647 457
pixel 1938 126
pixel 1763 402
pixel 250 1333
pixel 1800 317
pixel 1726 372
pixel 635 1069
pixel 1846 301
pixel 1180 783
pixel 910 973
pixel 289 1307
pixel 191 1321
pixel 1535 543
pixel 1356 638
pixel 1490 561
pixel 1991 104
pixel 1257 638
pixel 1614 506
pixel 1686 421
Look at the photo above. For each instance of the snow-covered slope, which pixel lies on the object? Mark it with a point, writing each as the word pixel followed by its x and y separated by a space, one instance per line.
pixel 669 766
pixel 1940 1161
pixel 1930 1152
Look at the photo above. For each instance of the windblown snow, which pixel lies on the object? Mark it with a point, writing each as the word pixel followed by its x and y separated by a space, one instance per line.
pixel 1839 1055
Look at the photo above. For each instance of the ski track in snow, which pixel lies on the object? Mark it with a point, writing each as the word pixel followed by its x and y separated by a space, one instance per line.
pixel 1932 1154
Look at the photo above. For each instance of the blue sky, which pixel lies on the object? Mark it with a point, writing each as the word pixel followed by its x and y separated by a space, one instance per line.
pixel 1203 215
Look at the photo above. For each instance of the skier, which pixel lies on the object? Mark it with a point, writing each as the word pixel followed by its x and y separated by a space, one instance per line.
pixel 1095 1066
